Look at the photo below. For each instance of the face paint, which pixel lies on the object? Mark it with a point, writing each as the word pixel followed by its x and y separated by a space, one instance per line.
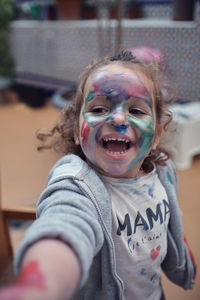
pixel 116 91
pixel 117 119
pixel 121 128
pixel 85 131
pixel 146 128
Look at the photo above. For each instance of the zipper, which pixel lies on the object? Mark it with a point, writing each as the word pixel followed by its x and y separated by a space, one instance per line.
pixel 88 191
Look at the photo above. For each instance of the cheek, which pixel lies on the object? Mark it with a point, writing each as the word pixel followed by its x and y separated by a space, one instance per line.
pixel 85 131
pixel 145 129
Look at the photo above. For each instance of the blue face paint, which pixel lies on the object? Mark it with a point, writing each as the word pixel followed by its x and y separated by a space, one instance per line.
pixel 121 128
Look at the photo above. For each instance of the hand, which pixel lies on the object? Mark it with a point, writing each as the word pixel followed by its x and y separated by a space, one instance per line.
pixel 45 277
pixel 30 285
pixel 20 292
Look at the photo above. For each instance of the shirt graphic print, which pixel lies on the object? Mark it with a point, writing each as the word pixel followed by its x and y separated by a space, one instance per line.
pixel 140 214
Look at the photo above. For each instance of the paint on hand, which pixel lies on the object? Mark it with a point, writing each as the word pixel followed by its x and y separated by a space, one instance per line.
pixel 31 276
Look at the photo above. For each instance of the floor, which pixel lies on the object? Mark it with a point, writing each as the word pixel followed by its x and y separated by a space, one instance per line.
pixel 189 200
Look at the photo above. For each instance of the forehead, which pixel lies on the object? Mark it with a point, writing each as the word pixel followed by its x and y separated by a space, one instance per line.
pixel 117 74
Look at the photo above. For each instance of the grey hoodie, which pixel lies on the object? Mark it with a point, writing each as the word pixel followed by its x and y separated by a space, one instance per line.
pixel 76 207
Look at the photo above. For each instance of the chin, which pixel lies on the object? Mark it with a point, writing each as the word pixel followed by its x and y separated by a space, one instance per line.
pixel 114 170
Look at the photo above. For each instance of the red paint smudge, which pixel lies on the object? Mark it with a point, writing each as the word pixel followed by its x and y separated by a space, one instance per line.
pixel 82 127
pixel 86 133
pixel 85 130
pixel 31 276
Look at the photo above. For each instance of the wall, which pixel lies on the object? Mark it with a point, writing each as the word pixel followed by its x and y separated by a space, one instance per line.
pixel 61 49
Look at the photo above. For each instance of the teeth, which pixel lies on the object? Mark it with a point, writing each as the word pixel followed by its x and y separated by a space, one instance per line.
pixel 118 139
pixel 117 153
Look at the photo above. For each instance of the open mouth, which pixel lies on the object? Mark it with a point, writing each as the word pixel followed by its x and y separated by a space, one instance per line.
pixel 116 145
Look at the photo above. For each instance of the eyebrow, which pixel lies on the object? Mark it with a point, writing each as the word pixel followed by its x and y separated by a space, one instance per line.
pixel 95 99
pixel 146 100
pixel 91 97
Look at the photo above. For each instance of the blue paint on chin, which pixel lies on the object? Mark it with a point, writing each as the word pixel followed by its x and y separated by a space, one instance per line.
pixel 121 128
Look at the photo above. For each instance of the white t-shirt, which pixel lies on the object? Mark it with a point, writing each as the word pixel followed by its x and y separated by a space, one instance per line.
pixel 140 213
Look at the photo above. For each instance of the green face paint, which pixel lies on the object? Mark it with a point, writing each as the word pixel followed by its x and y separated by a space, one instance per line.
pixel 146 127
pixel 90 96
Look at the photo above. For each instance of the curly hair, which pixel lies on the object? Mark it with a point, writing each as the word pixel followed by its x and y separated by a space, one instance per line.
pixel 61 137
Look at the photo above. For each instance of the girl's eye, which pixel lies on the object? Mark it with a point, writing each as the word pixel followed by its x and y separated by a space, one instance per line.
pixel 99 110
pixel 136 111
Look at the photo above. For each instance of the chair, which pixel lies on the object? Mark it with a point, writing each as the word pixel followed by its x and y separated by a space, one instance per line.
pixel 6 248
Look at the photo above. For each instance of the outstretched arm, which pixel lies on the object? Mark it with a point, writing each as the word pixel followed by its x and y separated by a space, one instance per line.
pixel 50 271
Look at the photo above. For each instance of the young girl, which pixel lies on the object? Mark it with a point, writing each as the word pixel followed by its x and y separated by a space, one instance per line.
pixel 108 222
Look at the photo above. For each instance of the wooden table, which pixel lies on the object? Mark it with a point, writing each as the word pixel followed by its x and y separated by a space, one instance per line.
pixel 23 169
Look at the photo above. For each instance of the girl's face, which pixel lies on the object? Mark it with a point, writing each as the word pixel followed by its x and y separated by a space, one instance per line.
pixel 117 121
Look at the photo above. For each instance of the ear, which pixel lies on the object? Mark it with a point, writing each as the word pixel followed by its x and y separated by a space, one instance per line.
pixel 157 137
pixel 76 139
pixel 76 136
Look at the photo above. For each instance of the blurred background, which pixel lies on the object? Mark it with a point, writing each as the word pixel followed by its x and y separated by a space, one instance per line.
pixel 44 46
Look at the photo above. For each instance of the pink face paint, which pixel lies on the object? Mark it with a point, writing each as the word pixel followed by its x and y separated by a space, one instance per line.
pixel 31 276
pixel 106 85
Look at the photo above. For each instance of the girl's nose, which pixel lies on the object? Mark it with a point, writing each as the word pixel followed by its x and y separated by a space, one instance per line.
pixel 119 118
pixel 119 122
